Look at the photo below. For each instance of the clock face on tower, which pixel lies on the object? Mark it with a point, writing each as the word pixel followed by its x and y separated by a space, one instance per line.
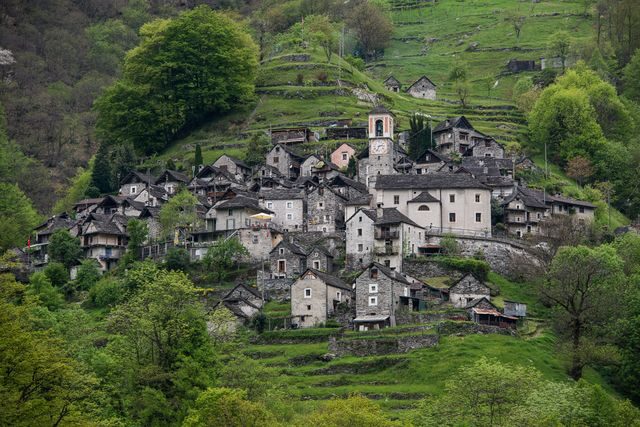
pixel 379 147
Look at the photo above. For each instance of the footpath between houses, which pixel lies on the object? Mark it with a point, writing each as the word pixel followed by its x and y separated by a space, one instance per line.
pixel 396 340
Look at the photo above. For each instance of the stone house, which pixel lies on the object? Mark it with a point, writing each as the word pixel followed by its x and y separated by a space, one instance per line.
pixel 430 161
pixel 315 296
pixel 118 204
pixel 286 161
pixel 582 211
pixel 103 238
pixel 134 182
pixel 243 302
pixel 307 166
pixel 325 209
pixel 467 289
pixel 360 238
pixel 348 188
pixel 288 206
pixel 231 214
pixel 151 215
pixel 515 309
pixel 341 155
pixel 456 135
pixel 519 65
pixel 439 202
pixel 487 148
pixel 259 240
pixel 356 203
pixel 239 169
pixel 295 135
pixel 395 237
pixel 152 195
pixel 422 88
pixel 85 206
pixel 524 210
pixel 482 303
pixel 324 170
pixel 213 182
pixel 392 84
pixel 346 132
pixel 44 231
pixel 287 260
pixel 320 258
pixel 172 181
pixel 378 290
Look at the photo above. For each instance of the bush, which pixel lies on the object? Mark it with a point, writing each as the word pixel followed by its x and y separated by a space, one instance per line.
pixel 322 76
pixel 106 293
pixel 478 268
pixel 88 274
pixel 57 274
pixel 450 245
pixel 177 259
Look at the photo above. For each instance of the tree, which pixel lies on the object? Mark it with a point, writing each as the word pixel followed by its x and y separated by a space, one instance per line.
pixel 458 78
pixel 630 81
pixel 352 167
pixel 559 46
pixel 64 248
pixel 353 411
pixel 257 148
pixel 222 256
pixel 517 22
pixel 196 65
pixel 179 214
pixel 420 136
pixel 138 232
pixel 323 33
pixel 221 325
pixel 583 286
pixel 88 275
pixel 57 274
pixel 226 407
pixel 579 168
pixel 18 218
pixel 177 259
pixel 40 384
pixel 123 161
pixel 468 401
pixel 372 28
pixel 101 174
pixel 463 92
pixel 40 287
pixel 197 161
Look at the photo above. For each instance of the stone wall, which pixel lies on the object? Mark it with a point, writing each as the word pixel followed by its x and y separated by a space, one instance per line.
pixel 275 289
pixel 468 328
pixel 380 346
pixel 405 317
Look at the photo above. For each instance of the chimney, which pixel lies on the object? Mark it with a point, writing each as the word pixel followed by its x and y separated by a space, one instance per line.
pixel 379 211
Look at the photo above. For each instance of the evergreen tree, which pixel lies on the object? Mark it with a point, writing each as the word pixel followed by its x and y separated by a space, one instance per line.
pixel 419 137
pixel 123 161
pixel 171 165
pixel 198 158
pixel 352 167
pixel 101 176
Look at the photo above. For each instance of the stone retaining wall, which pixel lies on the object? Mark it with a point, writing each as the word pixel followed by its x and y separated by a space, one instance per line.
pixel 380 346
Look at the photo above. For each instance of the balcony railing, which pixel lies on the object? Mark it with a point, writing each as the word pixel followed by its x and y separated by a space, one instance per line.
pixel 386 250
pixel 385 234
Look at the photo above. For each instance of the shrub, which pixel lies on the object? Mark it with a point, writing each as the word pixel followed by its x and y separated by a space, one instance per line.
pixel 177 259
pixel 322 76
pixel 450 245
pixel 478 268
pixel 106 293
pixel 57 274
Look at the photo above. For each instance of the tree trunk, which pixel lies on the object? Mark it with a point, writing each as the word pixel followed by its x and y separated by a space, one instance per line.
pixel 576 363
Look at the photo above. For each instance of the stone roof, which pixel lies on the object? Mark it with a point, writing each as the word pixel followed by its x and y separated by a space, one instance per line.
pixel 359 201
pixel 423 197
pixel 419 80
pixel 455 122
pixel 392 274
pixel 391 81
pixel 146 178
pixel 380 109
pixel 477 301
pixel 171 175
pixel 393 216
pixel 281 194
pixel 320 249
pixel 293 247
pixel 342 179
pixel 530 197
pixel 329 279
pixel 241 202
pixel 569 201
pixel 427 181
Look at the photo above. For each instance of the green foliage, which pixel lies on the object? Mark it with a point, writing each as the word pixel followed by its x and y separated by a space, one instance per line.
pixel 123 161
pixel 352 167
pixel 222 256
pixel 257 148
pixel 630 79
pixel 248 375
pixel 560 46
pixel 372 28
pixel 78 189
pixel 138 232
pixel 40 286
pixel 40 384
pixel 109 41
pixel 64 248
pixel 177 259
pixel 106 293
pixel 628 248
pixel 225 407
pixel 179 214
pixel 57 274
pixel 221 325
pixel 356 411
pixel 198 64
pixel 88 275
pixel 197 160
pixel 101 174
pixel 449 245
pixel 478 268
pixel 17 217
pixel 420 136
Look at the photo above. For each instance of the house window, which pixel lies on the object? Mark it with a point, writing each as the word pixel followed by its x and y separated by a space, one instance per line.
pixel 282 266
pixel 255 239
pixel 477 198
pixel 344 156
pixel 452 217
pixel 424 208
pixel 396 200
pixel 276 160
pixel 387 263
pixel 133 189
pixel 373 301
pixel 320 205
pixel 289 205
pixel 281 252
pixel 230 212
pixel 339 296
pixel 327 217
pixel 289 216
pixel 308 307
pixel 581 210
pixel 359 231
pixel 373 288
pixel 452 198
pixel 373 273
pixel 360 247
pixel 538 215
pixel 487 154
pixel 478 217
pixel 359 219
pixel 316 265
pixel 307 293
pixel 269 205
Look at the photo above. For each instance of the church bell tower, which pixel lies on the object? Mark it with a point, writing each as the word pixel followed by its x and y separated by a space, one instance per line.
pixel 381 149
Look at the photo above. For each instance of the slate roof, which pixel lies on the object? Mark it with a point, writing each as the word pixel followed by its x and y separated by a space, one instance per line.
pixel 281 194
pixel 171 175
pixel 150 212
pixel 346 181
pixel 391 81
pixel 237 161
pixel 423 197
pixel 477 301
pixel 329 279
pixel 435 154
pixel 359 201
pixel 392 274
pixel 455 122
pixel 427 181
pixel 393 216
pixel 293 247
pixel 419 80
pixel 530 197
pixel 241 202
pixel 320 249
pixel 289 151
pixel 253 291
pixel 570 201
pixel 380 109
pixel 55 223
pixel 146 178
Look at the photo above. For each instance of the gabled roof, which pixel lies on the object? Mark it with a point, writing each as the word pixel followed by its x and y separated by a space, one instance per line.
pixel 464 277
pixel 392 274
pixel 150 212
pixel 424 197
pixel 235 160
pixel 293 247
pixel 393 216
pixel 371 213
pixel 380 109
pixel 281 194
pixel 428 181
pixel 342 180
pixel 477 301
pixel 146 178
pixel 364 200
pixel 329 279
pixel 289 151
pixel 569 201
pixel 241 202
pixel 320 249
pixel 171 175
pixel 435 154
pixel 419 80
pixel 455 122
pixel 249 289
pixel 391 81
pixel 530 197
pixel 56 222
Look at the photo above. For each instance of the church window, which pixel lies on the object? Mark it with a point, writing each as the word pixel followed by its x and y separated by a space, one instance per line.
pixel 424 208
pixel 452 198
pixel 452 217
pixel 477 198
pixel 379 127
pixel 478 217
pixel 396 200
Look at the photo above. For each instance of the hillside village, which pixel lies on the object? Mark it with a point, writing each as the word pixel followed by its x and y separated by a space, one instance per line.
pixel 314 226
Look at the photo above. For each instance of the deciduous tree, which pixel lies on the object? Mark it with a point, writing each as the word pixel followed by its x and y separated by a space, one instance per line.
pixel 17 217
pixel 64 248
pixel 179 214
pixel 371 26
pixel 221 256
pixel 579 168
